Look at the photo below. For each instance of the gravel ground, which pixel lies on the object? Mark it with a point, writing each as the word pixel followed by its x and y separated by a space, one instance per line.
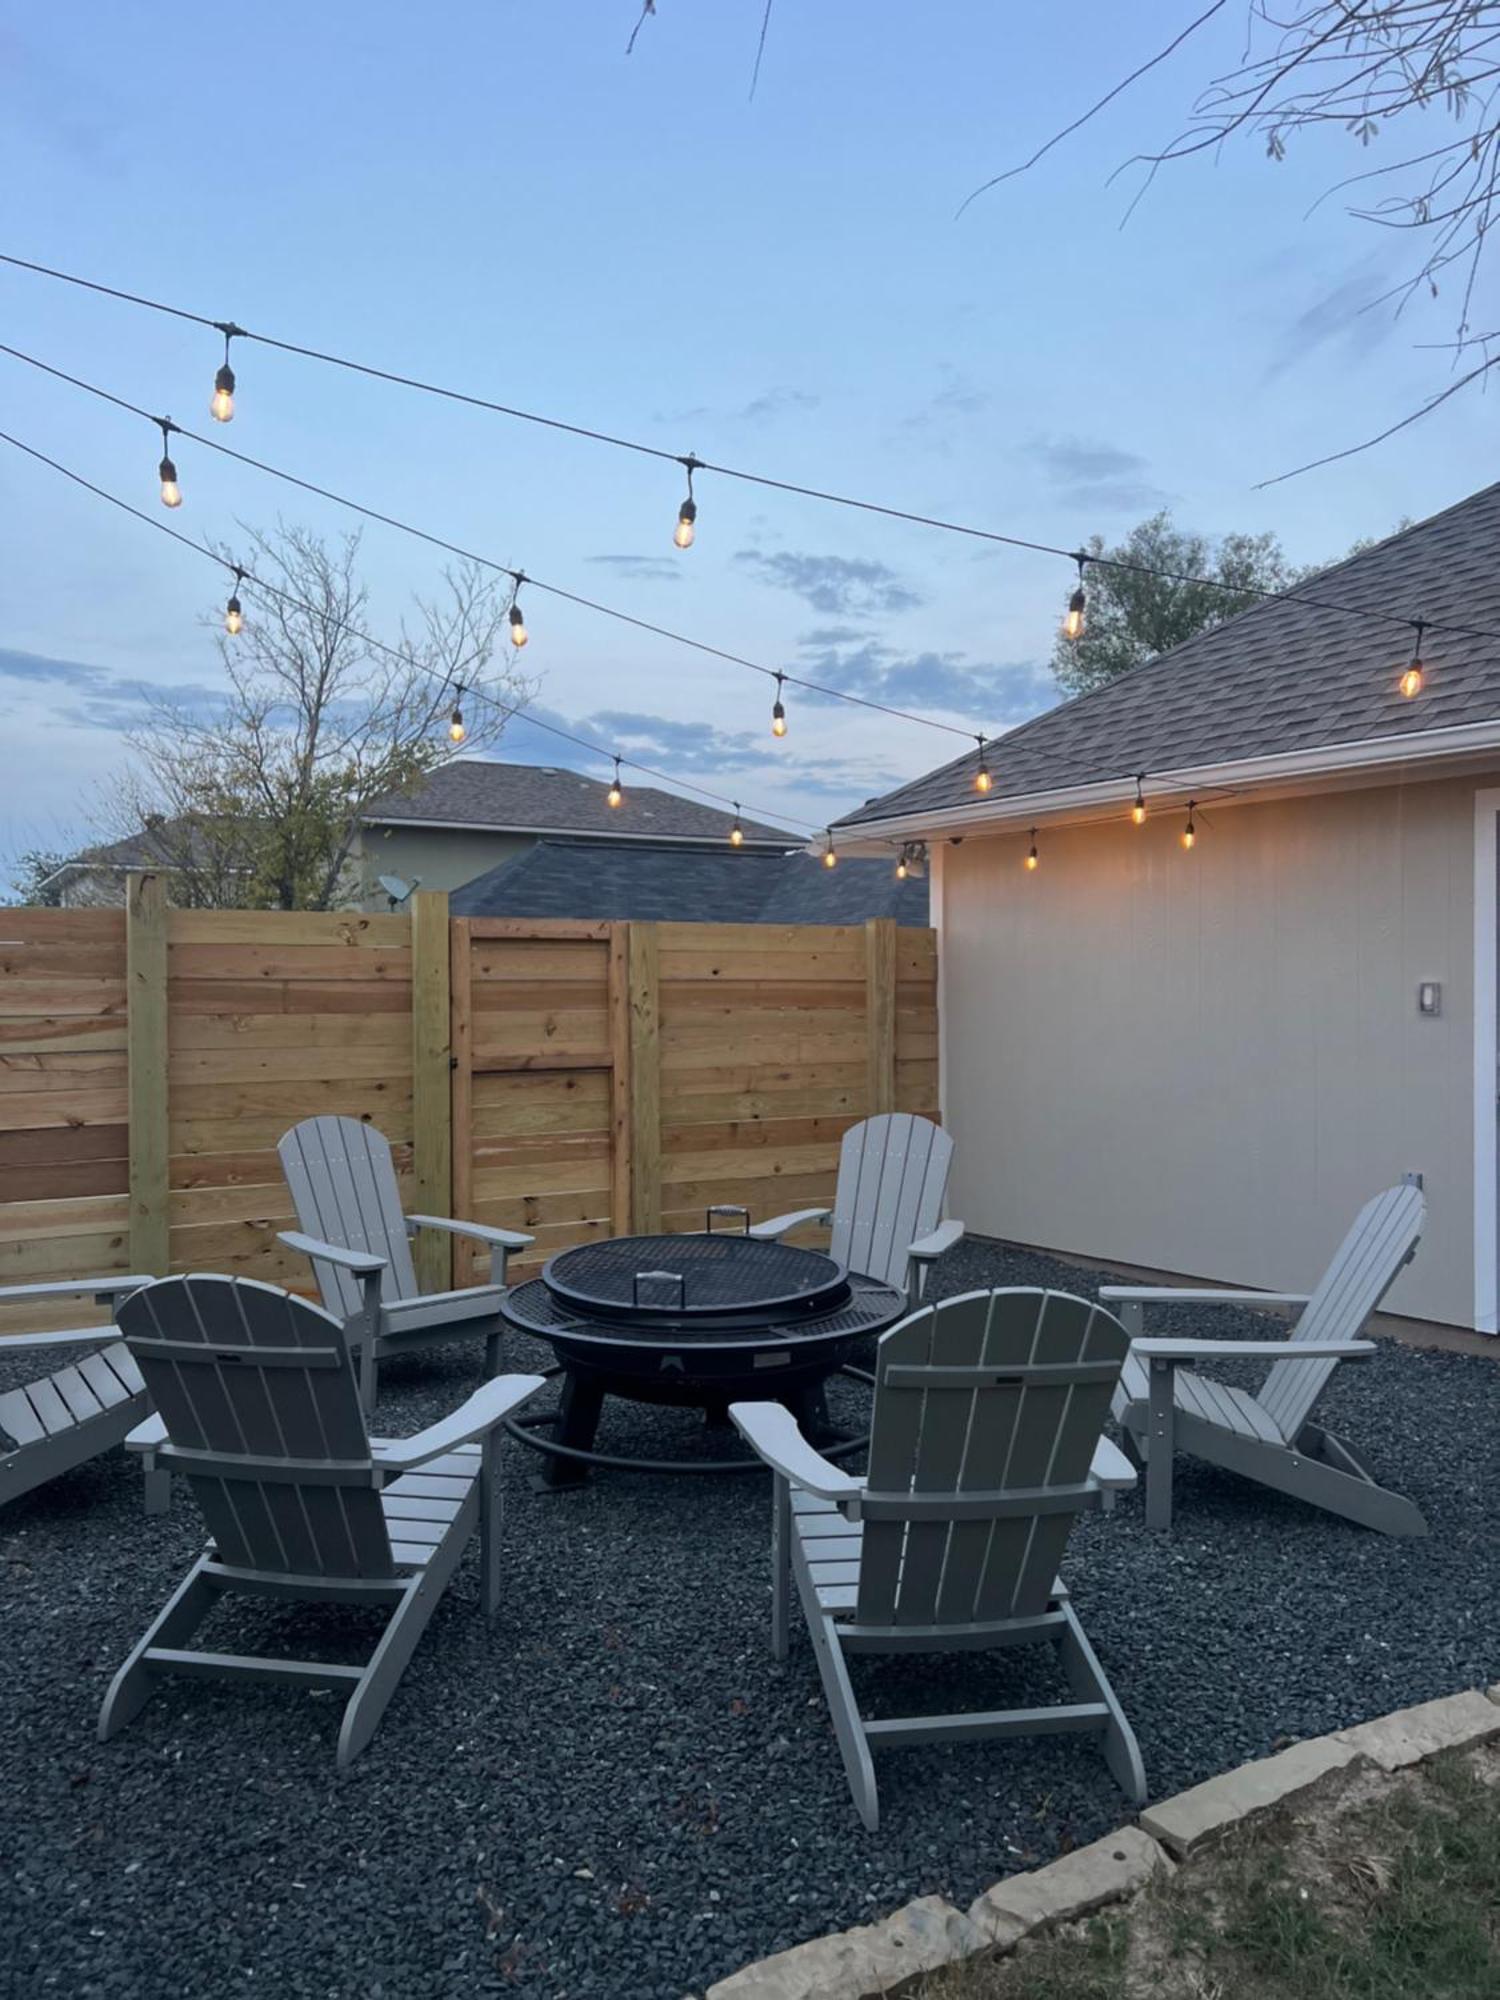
pixel 616 1794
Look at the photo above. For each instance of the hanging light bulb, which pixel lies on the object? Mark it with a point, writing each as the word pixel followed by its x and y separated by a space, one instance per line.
pixel 1190 832
pixel 687 513
pixel 615 796
pixel 518 633
pixel 221 404
pixel 736 832
pixel 830 859
pixel 778 709
pixel 982 779
pixel 234 617
pixel 1411 681
pixel 1032 856
pixel 1138 810
pixel 1073 624
pixel 456 729
pixel 903 865
pixel 171 492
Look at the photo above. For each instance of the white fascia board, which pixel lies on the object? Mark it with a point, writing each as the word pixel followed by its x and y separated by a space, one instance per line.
pixel 604 839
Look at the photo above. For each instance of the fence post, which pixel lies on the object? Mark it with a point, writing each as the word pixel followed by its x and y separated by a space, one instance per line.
pixel 621 1192
pixel 880 1013
pixel 461 1034
pixel 645 1079
pixel 146 1067
pixel 431 1084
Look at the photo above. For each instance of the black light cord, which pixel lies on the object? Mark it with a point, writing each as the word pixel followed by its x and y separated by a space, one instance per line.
pixel 271 590
pixel 729 471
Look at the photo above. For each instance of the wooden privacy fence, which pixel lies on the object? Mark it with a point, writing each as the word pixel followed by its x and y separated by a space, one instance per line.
pixel 573 1080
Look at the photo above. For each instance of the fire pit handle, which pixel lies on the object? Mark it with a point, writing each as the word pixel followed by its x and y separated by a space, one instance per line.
pixel 725 1208
pixel 659 1277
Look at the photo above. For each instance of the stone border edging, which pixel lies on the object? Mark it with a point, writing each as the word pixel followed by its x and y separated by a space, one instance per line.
pixel 874 1961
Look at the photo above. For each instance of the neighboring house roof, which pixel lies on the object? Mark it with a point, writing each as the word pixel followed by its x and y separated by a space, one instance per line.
pixel 1284 681
pixel 560 879
pixel 535 798
pixel 172 845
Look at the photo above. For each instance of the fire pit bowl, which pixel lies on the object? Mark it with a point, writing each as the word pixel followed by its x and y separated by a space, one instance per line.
pixel 693 1320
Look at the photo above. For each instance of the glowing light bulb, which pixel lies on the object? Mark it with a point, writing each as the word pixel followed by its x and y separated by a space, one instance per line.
pixel 1189 832
pixel 901 869
pixel 518 633
pixel 1031 854
pixel 830 859
pixel 1138 810
pixel 234 618
pixel 615 797
pixel 221 404
pixel 456 729
pixel 171 492
pixel 1073 623
pixel 687 514
pixel 736 832
pixel 1410 683
pixel 778 709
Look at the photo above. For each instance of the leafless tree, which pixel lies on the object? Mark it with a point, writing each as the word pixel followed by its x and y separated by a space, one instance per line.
pixel 258 803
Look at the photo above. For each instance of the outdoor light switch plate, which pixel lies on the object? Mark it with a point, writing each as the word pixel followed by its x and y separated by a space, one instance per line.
pixel 1430 997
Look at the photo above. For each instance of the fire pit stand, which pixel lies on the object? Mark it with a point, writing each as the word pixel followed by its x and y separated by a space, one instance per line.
pixel 692 1321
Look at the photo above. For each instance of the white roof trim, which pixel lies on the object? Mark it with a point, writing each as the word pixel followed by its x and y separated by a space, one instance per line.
pixel 604 836
pixel 1327 766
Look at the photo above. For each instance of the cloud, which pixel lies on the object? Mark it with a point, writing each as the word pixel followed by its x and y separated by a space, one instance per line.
pixel 996 693
pixel 94 698
pixel 842 586
pixel 957 396
pixel 776 403
pixel 1092 473
pixel 641 569
pixel 1347 317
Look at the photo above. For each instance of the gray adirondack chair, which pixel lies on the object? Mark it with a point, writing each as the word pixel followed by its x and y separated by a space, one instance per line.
pixel 81 1409
pixel 985 1448
pixel 343 1186
pixel 1167 1406
pixel 258 1407
pixel 887 1208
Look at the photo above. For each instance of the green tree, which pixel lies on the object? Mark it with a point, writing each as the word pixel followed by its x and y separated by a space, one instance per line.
pixel 1133 615
pixel 31 878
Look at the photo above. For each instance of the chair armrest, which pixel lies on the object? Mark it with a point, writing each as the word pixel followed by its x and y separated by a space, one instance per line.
pixel 103 1289
pixel 780 1224
pixel 360 1262
pixel 771 1430
pixel 1111 1469
pixel 490 1403
pixel 148 1434
pixel 1253 1350
pixel 942 1238
pixel 501 1239
pixel 1177 1295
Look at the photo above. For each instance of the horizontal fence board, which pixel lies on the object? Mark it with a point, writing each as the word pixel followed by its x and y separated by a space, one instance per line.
pixel 103 929
pixel 341 929
pixel 53 1217
pixel 291 962
pixel 336 997
pixel 46 1035
pixel 54 1070
pixel 388 1032
pixel 251 1168
pixel 188 1069
pixel 24 998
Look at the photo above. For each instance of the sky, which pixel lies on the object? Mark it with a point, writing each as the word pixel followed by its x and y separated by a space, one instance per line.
pixel 490 194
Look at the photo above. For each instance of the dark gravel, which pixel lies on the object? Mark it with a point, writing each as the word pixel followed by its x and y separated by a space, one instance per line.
pixel 616 1795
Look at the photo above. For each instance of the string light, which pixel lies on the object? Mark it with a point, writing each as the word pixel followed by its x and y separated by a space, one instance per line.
pixel 687 513
pixel 171 492
pixel 903 864
pixel 778 708
pixel 518 633
pixel 1411 681
pixel 615 796
pixel 830 859
pixel 982 779
pixel 221 405
pixel 1073 624
pixel 1138 810
pixel 736 832
pixel 1032 856
pixel 234 617
pixel 456 729
pixel 1190 832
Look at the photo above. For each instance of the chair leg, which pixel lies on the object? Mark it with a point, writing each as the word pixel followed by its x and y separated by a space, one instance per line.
pixel 1089 1682
pixel 369 1374
pixel 1161 1415
pixel 489 1526
pixel 781 1563
pixel 387 1664
pixel 181 1615
pixel 157 1484
pixel 843 1709
pixel 492 1354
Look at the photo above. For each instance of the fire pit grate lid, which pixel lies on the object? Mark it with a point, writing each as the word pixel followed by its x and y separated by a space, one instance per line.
pixel 692 1276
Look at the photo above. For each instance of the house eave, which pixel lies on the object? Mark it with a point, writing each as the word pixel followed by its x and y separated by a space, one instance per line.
pixel 608 837
pixel 1326 767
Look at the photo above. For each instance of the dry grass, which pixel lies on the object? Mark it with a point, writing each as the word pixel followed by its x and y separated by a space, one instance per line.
pixel 1385 1889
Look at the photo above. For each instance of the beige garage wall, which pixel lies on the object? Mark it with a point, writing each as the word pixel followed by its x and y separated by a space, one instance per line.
pixel 1203 1063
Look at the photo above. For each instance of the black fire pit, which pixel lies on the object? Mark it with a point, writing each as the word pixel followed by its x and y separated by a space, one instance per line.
pixel 694 1321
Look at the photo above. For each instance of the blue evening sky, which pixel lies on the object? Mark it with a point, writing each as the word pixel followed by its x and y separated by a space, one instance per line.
pixel 491 195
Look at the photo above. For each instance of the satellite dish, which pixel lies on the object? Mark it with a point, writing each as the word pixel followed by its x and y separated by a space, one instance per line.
pixel 396 889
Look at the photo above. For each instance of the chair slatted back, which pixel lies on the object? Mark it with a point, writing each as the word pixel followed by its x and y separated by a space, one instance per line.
pixel 344 1189
pixel 259 1384
pixel 893 1174
pixel 1385 1232
pixel 988 1410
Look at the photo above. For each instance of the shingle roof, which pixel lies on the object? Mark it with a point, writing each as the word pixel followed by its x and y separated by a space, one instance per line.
pixel 537 798
pixel 1282 676
pixel 561 879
